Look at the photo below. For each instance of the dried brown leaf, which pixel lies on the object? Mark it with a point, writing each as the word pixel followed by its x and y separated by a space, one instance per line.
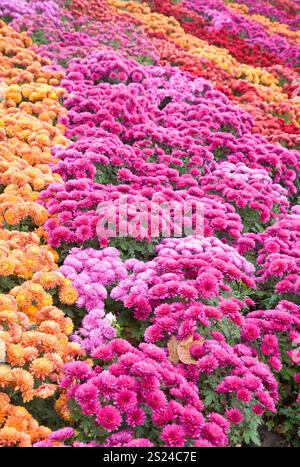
pixel 183 351
pixel 172 348
pixel 179 351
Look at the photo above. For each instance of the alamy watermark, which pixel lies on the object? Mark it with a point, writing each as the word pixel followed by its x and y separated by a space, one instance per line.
pixel 295 355
pixel 296 93
pixel 3 88
pixel 2 351
pixel 142 218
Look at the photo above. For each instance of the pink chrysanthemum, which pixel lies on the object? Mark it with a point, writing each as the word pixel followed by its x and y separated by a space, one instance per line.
pixel 173 436
pixel 235 416
pixel 109 418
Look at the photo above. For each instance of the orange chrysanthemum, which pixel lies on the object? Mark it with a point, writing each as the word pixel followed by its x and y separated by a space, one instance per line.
pixel 9 436
pixel 6 376
pixel 41 368
pixel 15 355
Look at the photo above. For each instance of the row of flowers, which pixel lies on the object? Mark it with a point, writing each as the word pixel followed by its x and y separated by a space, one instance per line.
pixel 64 36
pixel 33 332
pixel 279 101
